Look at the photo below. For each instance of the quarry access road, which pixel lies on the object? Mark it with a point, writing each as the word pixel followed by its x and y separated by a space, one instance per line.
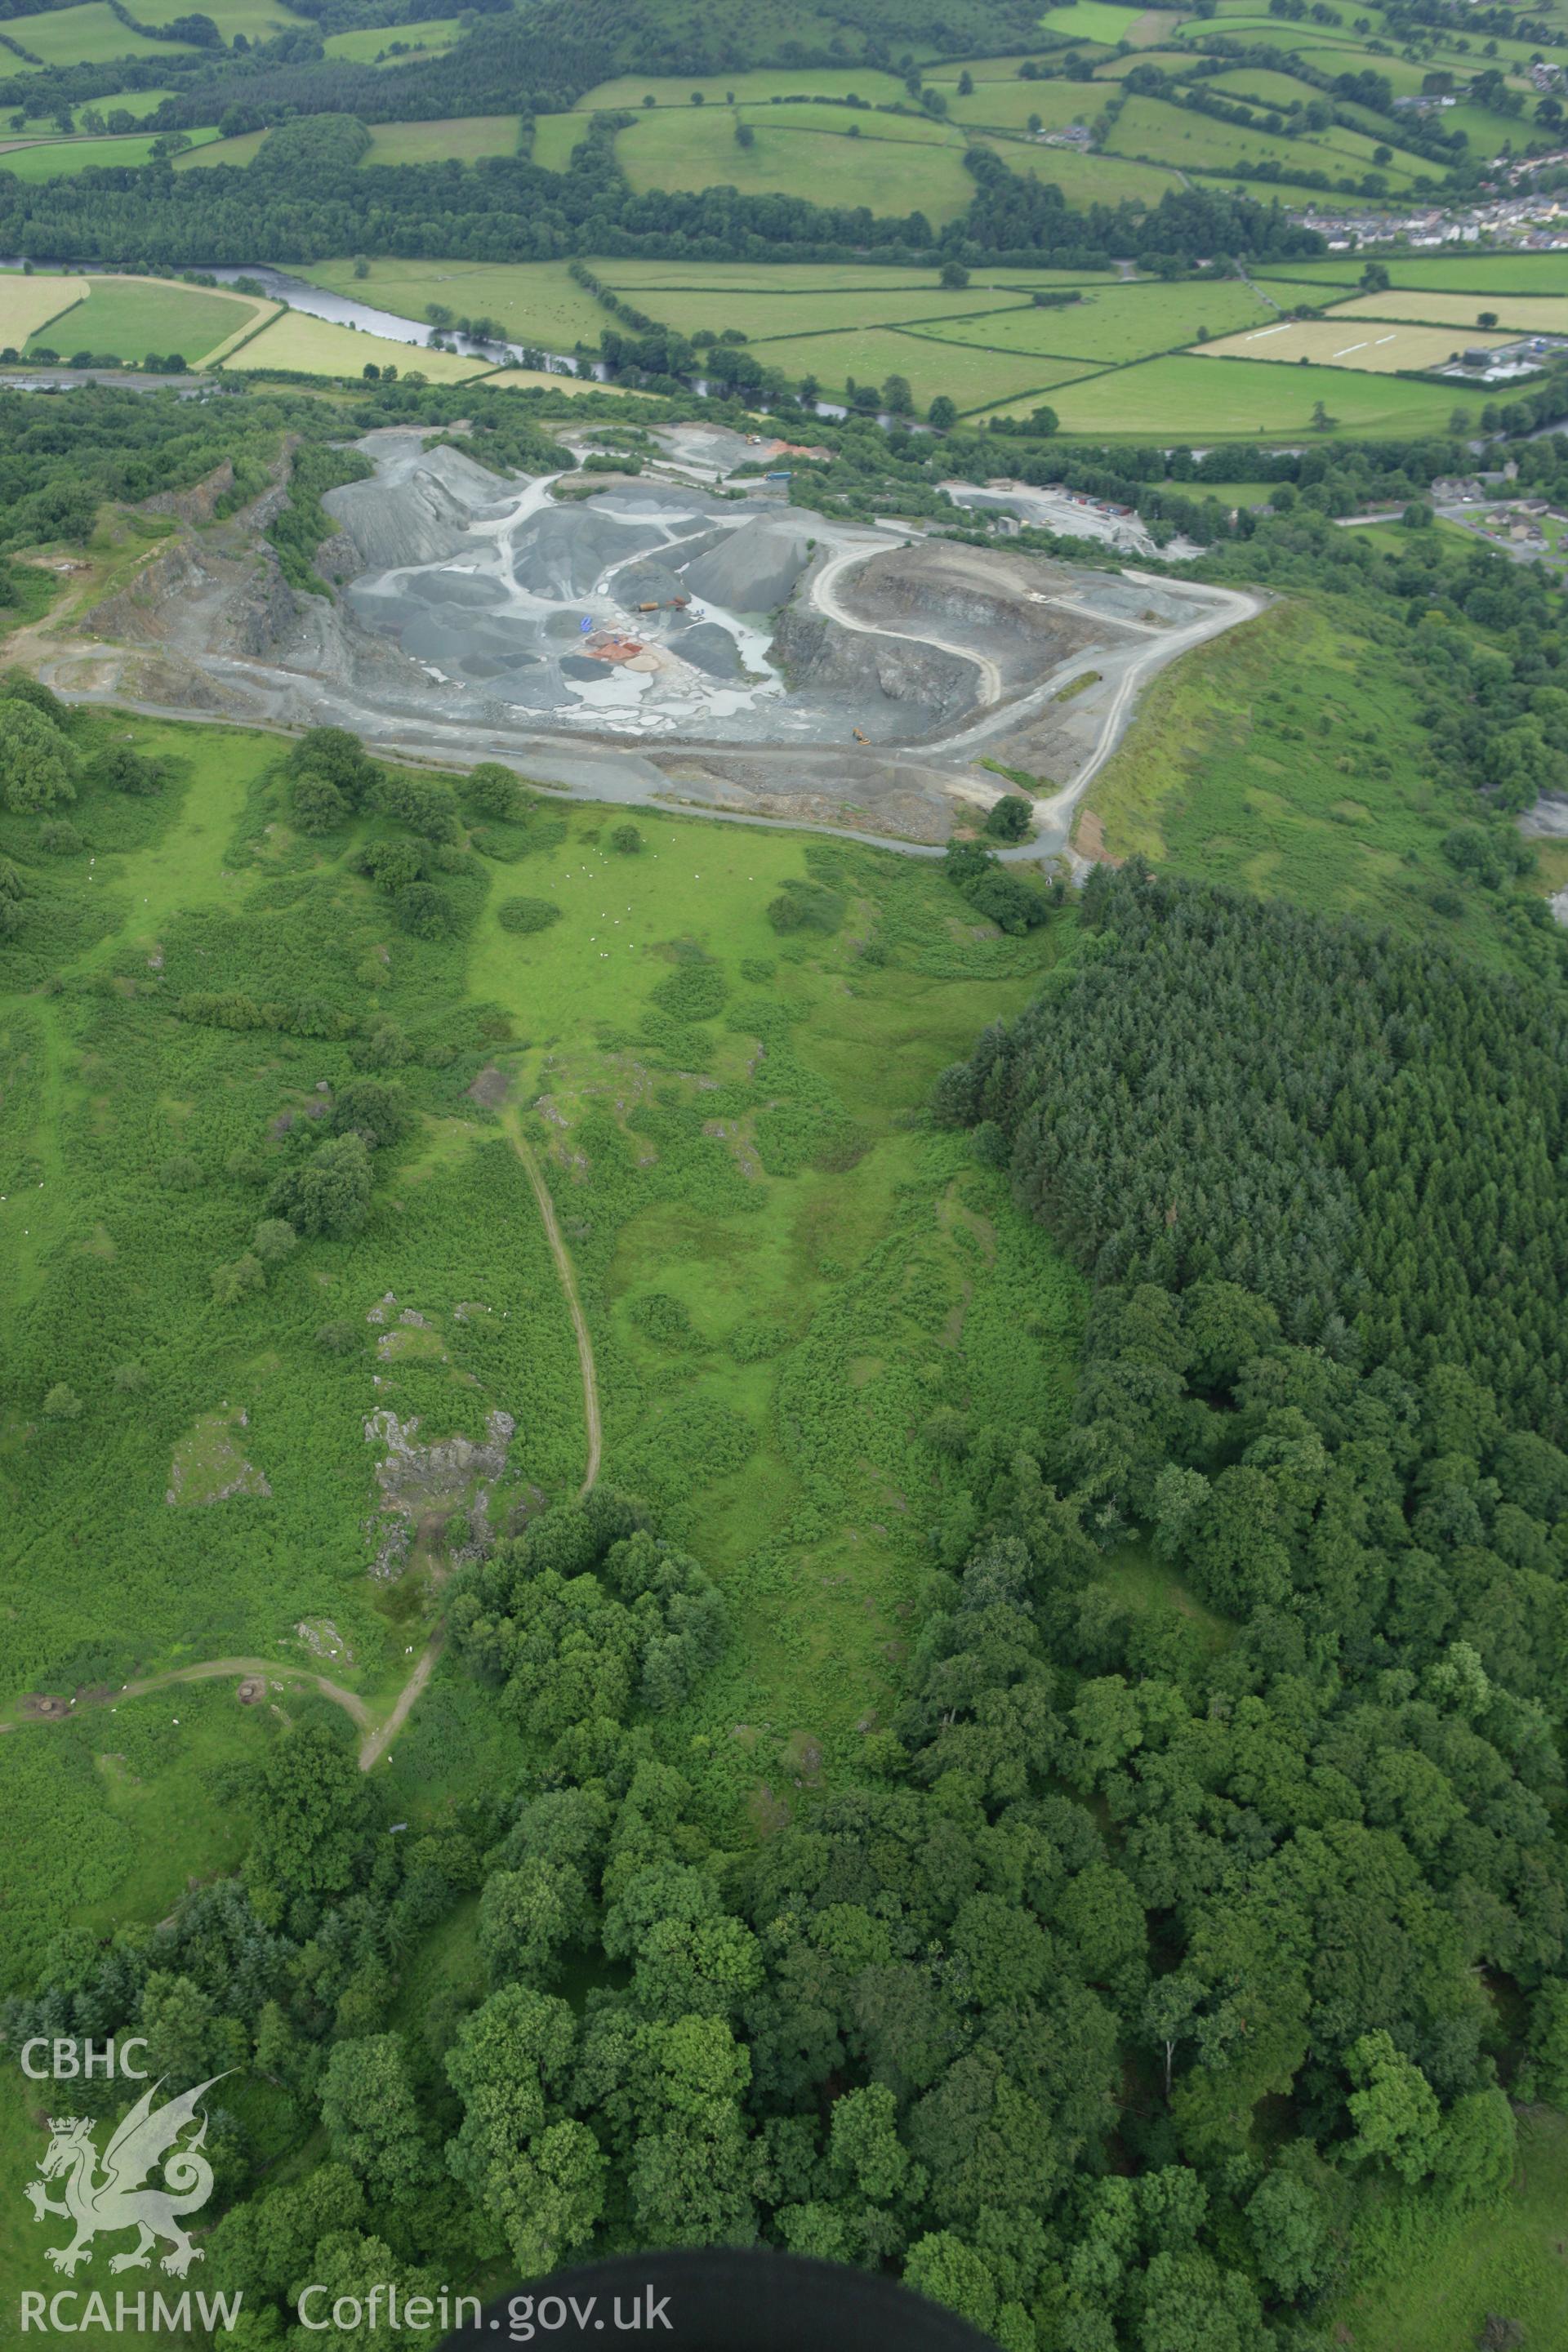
pixel 822 591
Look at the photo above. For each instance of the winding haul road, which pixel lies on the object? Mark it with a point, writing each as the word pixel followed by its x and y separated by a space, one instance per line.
pixel 822 590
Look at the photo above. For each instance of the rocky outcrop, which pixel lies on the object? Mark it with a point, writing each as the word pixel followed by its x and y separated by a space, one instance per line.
pixel 262 614
pixel 813 652
pixel 200 503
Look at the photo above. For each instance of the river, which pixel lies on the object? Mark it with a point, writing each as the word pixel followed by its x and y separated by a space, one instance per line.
pixel 343 311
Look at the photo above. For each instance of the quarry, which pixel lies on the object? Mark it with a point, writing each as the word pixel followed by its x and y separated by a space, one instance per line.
pixel 668 633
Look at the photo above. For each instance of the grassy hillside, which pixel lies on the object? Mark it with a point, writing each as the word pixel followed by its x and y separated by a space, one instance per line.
pixel 777 1271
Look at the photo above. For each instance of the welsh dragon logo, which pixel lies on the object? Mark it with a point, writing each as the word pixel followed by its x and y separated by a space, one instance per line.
pixel 117 2199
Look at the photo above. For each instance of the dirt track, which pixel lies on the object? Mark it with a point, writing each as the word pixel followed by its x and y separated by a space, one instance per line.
pixel 514 1126
pixel 379 1736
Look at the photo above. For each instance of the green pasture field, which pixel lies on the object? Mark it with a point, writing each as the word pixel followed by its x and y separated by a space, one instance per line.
pixel 1087 179
pixel 258 20
pixel 764 316
pixel 1248 399
pixel 1256 83
pixel 842 121
pixel 756 87
pixel 821 1273
pixel 535 301
pixel 1489 133
pixel 944 71
pixel 697 150
pixel 464 139
pixel 1479 272
pixel 428 38
pixel 1097 20
pixel 138 102
pixel 1168 62
pixel 90 35
pixel 1232 777
pixel 61 158
pixel 969 377
pixel 555 137
pixel 1403 77
pixel 1323 49
pixel 1507 2260
pixel 635 278
pixel 1115 322
pixel 129 317
pixel 240 150
pixel 1148 127
pixel 1233 494
pixel 1008 105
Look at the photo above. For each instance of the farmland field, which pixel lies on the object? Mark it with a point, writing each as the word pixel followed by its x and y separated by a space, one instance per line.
pixel 841 122
pixel 138 102
pixel 761 317
pixel 636 275
pixel 28 303
pixel 1009 104
pixel 971 378
pixel 1231 397
pixel 1366 342
pixel 1170 134
pixel 519 379
pixel 697 150
pixel 317 347
pixel 238 152
pixel 1085 179
pixel 1097 20
pixel 1543 314
pixel 534 301
pixel 555 137
pixel 630 91
pixel 1403 75
pixel 62 158
pixel 1114 69
pixel 464 139
pixel 89 34
pixel 126 318
pixel 944 71
pixel 429 36
pixel 1488 133
pixel 1278 90
pixel 1115 323
pixel 258 20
